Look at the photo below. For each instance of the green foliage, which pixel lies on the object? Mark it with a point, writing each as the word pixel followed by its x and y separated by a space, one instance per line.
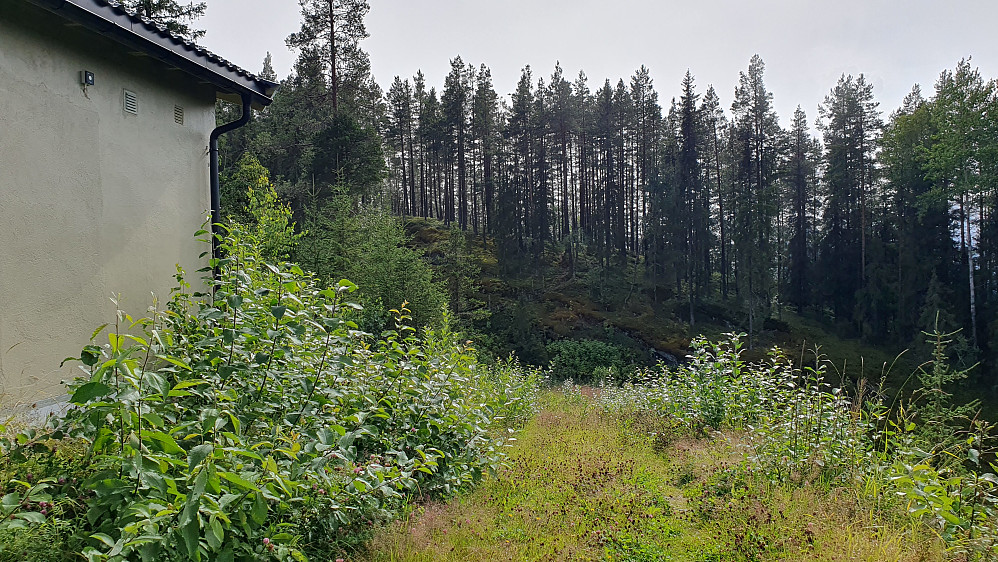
pixel 392 273
pixel 261 425
pixel 250 199
pixel 460 271
pixel 371 247
pixel 801 429
pixel 176 17
pixel 584 360
pixel 349 154
pixel 271 229
pixel 711 390
pixel 235 186
pixel 331 234
pixel 934 405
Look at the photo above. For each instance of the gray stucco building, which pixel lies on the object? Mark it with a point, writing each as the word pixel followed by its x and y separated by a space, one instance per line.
pixel 105 127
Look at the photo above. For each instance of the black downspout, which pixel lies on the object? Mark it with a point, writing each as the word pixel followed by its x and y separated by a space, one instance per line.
pixel 216 195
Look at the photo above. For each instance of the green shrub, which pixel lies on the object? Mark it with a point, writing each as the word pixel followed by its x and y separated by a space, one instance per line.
pixel 259 424
pixel 581 360
pixel 800 429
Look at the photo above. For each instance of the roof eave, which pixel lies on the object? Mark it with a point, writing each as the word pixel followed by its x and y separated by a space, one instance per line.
pixel 116 24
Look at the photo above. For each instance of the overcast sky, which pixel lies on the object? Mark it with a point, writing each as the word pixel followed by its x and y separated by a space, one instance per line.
pixel 806 44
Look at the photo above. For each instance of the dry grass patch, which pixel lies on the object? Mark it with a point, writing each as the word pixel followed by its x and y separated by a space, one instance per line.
pixel 582 484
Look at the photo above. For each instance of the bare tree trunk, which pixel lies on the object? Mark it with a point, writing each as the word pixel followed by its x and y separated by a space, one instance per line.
pixel 862 204
pixel 332 56
pixel 970 278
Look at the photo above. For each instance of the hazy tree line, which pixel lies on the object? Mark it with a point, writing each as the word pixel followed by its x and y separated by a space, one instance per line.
pixel 872 223
pixel 869 222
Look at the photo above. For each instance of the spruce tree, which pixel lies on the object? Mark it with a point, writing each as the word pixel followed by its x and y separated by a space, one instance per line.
pixel 754 140
pixel 692 190
pixel 803 153
pixel 335 28
pixel 924 245
pixel 851 125
pixel 175 16
pixel 268 72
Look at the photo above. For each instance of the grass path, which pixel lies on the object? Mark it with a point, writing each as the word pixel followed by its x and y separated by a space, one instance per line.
pixel 585 485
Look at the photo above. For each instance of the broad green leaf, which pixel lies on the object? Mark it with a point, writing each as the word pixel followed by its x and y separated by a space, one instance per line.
pixel 103 538
pixel 215 534
pixel 31 517
pixel 117 548
pixel 117 342
pixel 259 509
pixel 175 361
pixel 166 442
pixel 190 512
pixel 89 391
pixel 198 454
pixel 200 484
pixel 238 480
pixel 326 437
pixel 155 480
pixel 347 440
pixel 949 517
pixel 153 419
pixel 189 384
pixel 97 331
pixel 191 532
pixel 137 339
pixel 236 425
pixel 243 453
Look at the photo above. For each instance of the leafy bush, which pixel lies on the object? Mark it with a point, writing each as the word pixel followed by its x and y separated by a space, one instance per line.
pixel 580 360
pixel 259 424
pixel 371 248
pixel 389 272
pixel 799 428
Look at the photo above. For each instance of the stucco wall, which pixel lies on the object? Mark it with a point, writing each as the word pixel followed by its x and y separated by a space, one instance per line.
pixel 93 201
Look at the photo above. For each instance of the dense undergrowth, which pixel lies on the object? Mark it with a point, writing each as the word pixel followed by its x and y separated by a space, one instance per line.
pixel 256 424
pixel 583 319
pixel 798 431
pixel 590 482
pixel 724 460
pixel 262 423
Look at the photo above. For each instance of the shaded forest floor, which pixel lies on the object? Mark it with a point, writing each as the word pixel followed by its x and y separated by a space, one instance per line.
pixel 524 308
pixel 582 484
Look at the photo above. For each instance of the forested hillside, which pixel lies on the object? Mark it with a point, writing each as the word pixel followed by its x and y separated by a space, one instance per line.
pixel 356 380
pixel 701 203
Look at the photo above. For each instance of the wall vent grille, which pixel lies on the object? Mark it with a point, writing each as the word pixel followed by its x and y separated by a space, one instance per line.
pixel 130 102
pixel 178 114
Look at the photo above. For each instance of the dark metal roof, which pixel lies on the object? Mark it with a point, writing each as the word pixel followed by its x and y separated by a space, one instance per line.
pixel 111 20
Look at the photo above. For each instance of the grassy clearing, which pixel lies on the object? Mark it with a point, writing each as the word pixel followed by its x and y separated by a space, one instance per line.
pixel 586 485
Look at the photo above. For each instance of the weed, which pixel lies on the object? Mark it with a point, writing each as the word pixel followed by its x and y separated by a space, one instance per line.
pixel 258 423
pixel 581 486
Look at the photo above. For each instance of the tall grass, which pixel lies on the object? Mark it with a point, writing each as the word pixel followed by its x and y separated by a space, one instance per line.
pixel 800 428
